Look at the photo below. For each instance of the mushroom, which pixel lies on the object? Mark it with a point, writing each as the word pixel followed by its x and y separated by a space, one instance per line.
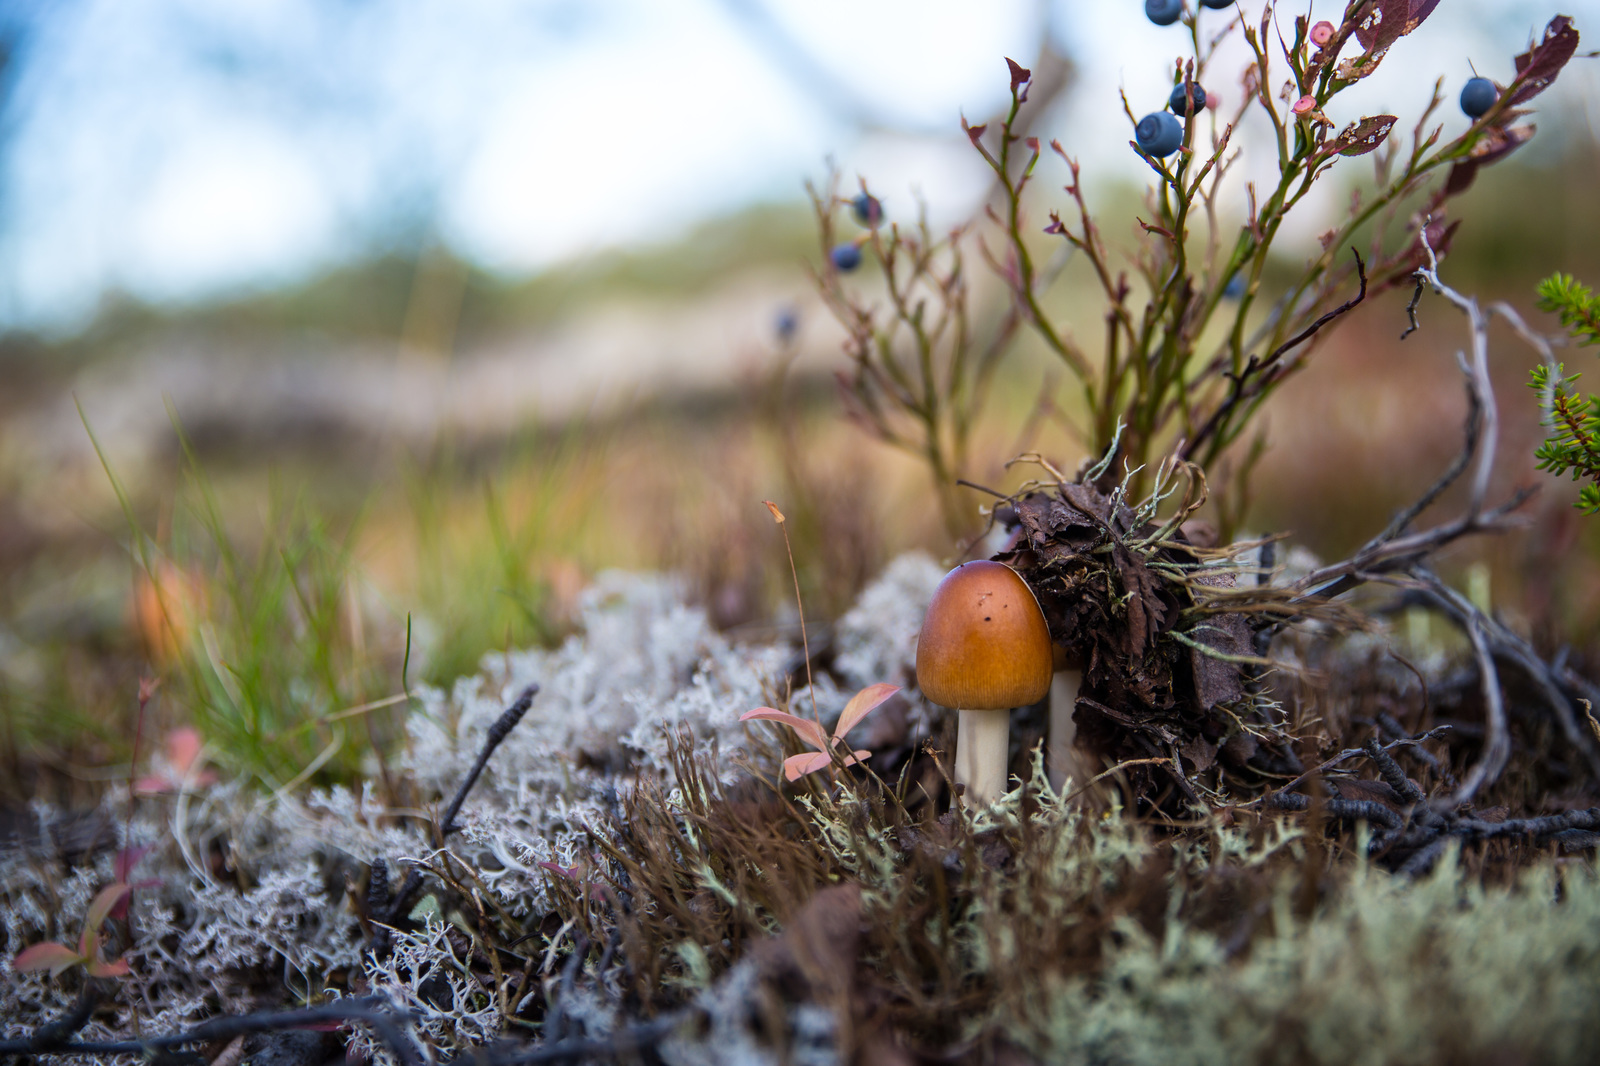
pixel 1060 760
pixel 984 649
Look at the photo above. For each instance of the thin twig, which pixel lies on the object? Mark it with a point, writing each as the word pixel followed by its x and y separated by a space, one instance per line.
pixel 373 1012
pixel 497 734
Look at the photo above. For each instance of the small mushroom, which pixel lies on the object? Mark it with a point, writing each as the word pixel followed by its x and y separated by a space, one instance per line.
pixel 1060 756
pixel 984 649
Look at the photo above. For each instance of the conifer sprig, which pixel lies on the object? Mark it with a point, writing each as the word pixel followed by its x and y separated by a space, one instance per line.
pixel 1572 445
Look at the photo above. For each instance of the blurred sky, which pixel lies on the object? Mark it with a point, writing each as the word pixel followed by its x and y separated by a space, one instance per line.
pixel 178 149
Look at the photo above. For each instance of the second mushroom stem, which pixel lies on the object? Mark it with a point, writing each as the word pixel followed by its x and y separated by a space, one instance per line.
pixel 1060 759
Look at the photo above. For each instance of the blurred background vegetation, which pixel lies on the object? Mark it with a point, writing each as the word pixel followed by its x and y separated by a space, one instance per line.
pixel 294 495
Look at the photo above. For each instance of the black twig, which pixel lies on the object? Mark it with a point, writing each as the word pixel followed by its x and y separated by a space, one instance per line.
pixel 378 904
pixel 497 734
pixel 1411 308
pixel 555 1026
pixel 1349 810
pixel 1391 773
pixel 372 1012
pixel 55 1033
pixel 1257 370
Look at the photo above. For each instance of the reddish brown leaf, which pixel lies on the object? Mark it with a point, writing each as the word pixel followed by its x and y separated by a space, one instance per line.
pixel 1498 142
pixel 1201 753
pixel 1538 67
pixel 1019 74
pixel 820 943
pixel 1365 136
pixel 1420 10
pixel 1384 24
pixel 1461 177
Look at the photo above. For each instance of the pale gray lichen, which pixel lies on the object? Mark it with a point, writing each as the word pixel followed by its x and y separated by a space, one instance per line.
pixel 249 885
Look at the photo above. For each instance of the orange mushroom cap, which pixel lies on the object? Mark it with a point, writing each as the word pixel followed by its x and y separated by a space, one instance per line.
pixel 984 643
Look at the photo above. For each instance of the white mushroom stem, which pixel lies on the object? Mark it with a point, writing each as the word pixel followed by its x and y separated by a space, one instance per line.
pixel 983 742
pixel 1060 760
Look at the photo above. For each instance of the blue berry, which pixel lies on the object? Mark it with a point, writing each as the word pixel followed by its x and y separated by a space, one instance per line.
pixel 1216 5
pixel 1159 133
pixel 1180 106
pixel 1163 12
pixel 1478 96
pixel 788 324
pixel 846 257
pixel 868 210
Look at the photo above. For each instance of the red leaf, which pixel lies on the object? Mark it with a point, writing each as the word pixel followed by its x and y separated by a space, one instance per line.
pixel 1365 136
pixel 974 132
pixel 101 968
pixel 809 731
pixel 1420 10
pixel 569 872
pixel 1019 74
pixel 1498 143
pixel 47 956
pixel 861 705
pixel 1538 66
pixel 1384 24
pixel 1462 175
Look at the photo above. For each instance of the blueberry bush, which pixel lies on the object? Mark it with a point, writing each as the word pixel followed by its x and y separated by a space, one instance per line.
pixel 1191 340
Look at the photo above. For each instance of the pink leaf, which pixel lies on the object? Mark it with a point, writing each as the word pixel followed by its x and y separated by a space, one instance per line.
pixel 797 766
pixel 809 731
pixel 127 859
pixel 183 748
pixel 862 704
pixel 569 872
pixel 104 902
pixel 101 968
pixel 153 785
pixel 47 956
